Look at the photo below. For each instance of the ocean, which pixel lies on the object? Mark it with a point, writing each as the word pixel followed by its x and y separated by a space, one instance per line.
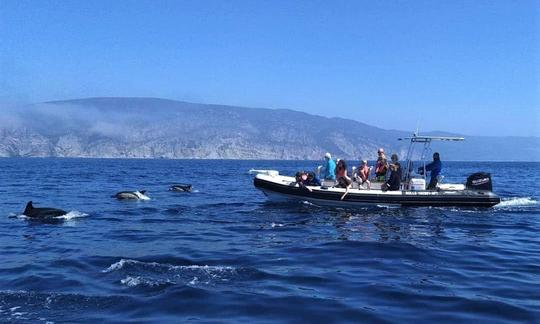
pixel 224 254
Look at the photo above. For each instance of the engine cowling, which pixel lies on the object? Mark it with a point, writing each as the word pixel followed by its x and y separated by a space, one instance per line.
pixel 479 181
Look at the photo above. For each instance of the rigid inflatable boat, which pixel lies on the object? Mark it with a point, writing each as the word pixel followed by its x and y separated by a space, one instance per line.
pixel 476 192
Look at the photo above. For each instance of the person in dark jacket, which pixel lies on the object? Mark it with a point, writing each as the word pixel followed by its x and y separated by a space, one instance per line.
pixel 435 168
pixel 305 179
pixel 394 181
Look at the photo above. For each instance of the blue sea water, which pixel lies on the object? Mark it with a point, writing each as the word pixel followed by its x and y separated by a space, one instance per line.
pixel 224 254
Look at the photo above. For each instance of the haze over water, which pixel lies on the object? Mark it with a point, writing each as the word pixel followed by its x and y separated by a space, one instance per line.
pixel 223 253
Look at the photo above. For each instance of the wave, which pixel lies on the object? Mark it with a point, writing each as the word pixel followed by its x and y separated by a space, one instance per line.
pixel 517 202
pixel 138 281
pixel 127 262
pixel 155 274
pixel 23 306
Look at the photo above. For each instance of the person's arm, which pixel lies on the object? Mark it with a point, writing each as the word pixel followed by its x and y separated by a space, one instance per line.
pixel 324 170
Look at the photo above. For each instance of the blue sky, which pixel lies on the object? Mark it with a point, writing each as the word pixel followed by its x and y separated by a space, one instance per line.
pixel 464 66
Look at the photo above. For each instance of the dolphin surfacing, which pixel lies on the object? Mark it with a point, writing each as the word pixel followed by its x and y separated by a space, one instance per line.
pixel 31 211
pixel 183 187
pixel 131 195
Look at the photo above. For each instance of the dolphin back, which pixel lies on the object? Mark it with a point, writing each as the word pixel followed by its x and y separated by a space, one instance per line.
pixel 134 195
pixel 28 209
pixel 181 187
pixel 31 211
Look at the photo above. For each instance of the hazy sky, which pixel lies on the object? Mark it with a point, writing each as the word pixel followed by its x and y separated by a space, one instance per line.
pixel 464 66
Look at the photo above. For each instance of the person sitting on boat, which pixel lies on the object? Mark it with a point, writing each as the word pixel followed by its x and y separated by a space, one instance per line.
pixel 362 174
pixel 343 181
pixel 394 181
pixel 312 179
pixel 435 168
pixel 329 169
pixel 393 160
pixel 305 179
pixel 381 166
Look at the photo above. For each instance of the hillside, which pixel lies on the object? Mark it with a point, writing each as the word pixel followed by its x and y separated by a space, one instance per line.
pixel 159 128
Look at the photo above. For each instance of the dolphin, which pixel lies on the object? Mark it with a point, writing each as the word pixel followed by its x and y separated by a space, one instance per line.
pixel 131 195
pixel 30 211
pixel 185 187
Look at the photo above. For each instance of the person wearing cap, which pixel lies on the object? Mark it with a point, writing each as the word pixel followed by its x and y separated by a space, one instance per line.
pixel 381 166
pixel 435 168
pixel 329 168
pixel 362 174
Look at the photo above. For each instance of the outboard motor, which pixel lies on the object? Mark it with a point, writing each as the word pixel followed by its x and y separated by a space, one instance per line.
pixel 479 181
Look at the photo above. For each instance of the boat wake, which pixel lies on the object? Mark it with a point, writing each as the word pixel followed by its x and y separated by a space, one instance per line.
pixel 517 202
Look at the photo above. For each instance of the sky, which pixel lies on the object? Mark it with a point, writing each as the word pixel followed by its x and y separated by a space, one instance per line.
pixel 470 67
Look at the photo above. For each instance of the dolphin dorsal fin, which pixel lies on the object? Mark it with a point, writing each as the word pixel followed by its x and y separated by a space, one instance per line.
pixel 28 207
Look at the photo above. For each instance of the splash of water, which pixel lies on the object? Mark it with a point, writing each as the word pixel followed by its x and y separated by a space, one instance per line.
pixel 517 202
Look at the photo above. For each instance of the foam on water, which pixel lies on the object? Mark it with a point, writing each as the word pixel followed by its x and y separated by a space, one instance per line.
pixel 72 215
pixel 131 281
pixel 126 262
pixel 69 216
pixel 517 202
pixel 154 274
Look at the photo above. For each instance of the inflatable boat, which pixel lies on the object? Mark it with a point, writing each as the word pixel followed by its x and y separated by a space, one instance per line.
pixel 475 192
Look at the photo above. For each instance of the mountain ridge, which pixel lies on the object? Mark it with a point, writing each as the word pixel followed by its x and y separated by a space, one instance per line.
pixel 146 127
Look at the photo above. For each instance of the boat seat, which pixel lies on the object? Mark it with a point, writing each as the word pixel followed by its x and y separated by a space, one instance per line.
pixel 376 185
pixel 451 186
pixel 327 183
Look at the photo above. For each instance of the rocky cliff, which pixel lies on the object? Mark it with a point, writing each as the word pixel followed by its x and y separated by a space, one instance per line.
pixel 158 128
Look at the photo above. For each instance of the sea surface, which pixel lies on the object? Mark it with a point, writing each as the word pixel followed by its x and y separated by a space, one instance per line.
pixel 224 254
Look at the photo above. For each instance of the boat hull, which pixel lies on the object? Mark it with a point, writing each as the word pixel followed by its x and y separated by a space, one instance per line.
pixel 283 188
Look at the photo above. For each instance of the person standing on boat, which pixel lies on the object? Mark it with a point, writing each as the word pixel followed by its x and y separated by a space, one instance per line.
pixel 435 168
pixel 329 168
pixel 381 166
